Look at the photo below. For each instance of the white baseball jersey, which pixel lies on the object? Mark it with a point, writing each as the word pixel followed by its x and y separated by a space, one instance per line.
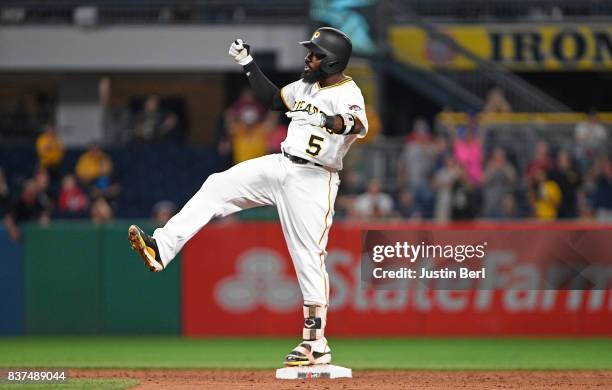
pixel 317 143
pixel 303 194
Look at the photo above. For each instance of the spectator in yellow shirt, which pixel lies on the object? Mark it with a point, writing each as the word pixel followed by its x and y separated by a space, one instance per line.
pixel 249 137
pixel 50 149
pixel 94 170
pixel 93 165
pixel 545 197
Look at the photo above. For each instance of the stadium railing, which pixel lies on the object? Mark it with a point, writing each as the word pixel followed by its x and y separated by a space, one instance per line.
pixel 518 133
pixel 105 12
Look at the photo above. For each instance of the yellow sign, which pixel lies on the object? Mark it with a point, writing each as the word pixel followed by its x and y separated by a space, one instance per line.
pixel 543 118
pixel 521 47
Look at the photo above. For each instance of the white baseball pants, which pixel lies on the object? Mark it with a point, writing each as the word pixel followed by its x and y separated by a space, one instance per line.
pixel 303 194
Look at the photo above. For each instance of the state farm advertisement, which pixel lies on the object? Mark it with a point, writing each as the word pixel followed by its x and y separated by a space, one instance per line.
pixel 238 279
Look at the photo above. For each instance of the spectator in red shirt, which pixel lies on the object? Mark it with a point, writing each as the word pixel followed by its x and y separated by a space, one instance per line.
pixel 541 162
pixel 72 200
pixel 245 102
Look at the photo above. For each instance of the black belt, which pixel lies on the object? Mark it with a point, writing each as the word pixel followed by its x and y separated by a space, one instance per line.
pixel 300 160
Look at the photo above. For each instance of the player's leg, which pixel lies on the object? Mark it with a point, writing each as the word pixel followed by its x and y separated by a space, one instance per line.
pixel 306 210
pixel 245 185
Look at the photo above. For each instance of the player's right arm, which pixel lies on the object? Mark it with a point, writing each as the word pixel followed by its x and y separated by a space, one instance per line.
pixel 264 89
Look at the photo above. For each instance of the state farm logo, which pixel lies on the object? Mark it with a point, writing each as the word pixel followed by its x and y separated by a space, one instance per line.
pixel 259 282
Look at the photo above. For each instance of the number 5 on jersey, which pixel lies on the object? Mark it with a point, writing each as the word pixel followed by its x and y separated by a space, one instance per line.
pixel 314 145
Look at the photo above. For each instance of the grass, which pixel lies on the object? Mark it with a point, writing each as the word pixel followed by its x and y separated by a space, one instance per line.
pixel 99 384
pixel 263 353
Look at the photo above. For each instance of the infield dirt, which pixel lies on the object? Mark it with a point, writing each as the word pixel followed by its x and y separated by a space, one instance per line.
pixel 379 380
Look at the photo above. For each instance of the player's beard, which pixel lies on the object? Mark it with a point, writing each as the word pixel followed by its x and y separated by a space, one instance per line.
pixel 312 76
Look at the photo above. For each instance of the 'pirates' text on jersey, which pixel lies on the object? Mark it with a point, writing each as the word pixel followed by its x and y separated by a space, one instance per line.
pixel 316 143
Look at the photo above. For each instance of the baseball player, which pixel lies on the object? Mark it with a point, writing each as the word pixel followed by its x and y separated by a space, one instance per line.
pixel 327 115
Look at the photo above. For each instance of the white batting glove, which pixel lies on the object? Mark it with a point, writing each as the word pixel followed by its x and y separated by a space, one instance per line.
pixel 302 117
pixel 240 51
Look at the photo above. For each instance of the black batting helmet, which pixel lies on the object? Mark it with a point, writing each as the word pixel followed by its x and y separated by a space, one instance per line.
pixel 334 44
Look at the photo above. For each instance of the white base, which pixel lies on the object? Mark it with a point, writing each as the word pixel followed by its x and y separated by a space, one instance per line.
pixel 328 371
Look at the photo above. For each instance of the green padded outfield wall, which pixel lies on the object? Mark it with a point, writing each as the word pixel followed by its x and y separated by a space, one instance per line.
pixel 84 279
pixel 136 300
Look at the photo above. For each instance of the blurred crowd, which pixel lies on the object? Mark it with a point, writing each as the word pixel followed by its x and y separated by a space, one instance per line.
pixel 451 177
pixel 150 119
pixel 448 175
pixel 86 190
pixel 145 123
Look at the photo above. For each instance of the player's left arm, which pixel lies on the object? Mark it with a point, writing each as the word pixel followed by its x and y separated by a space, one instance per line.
pixel 264 89
pixel 344 124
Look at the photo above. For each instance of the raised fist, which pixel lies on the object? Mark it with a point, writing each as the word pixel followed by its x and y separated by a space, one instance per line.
pixel 240 51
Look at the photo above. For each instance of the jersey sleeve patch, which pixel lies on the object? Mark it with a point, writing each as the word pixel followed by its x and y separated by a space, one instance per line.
pixel 356 108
